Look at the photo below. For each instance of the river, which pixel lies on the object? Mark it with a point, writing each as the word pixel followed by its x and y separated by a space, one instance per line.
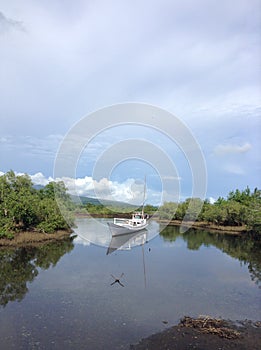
pixel 65 295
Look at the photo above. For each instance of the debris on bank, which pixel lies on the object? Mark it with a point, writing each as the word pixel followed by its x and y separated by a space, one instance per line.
pixel 204 333
pixel 206 324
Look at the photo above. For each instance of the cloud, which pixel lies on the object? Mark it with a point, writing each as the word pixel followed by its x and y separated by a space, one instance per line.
pixel 79 240
pixel 35 146
pixel 40 179
pixel 198 60
pixel 7 24
pixel 232 149
pixel 171 178
pixel 128 191
pixel 211 200
pixel 234 169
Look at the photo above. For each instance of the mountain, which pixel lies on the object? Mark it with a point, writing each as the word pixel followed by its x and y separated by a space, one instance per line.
pixel 96 201
pixel 109 203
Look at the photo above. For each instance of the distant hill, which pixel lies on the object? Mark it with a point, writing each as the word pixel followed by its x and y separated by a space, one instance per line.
pixel 109 203
pixel 95 201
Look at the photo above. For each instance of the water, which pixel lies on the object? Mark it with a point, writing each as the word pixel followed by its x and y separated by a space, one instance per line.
pixel 60 296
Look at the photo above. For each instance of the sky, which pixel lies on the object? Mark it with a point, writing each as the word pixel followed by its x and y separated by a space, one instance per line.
pixel 199 60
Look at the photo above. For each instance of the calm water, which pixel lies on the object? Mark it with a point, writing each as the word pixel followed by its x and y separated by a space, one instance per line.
pixel 60 296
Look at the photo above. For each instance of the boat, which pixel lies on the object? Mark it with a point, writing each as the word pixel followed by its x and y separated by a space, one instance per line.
pixel 137 222
pixel 121 226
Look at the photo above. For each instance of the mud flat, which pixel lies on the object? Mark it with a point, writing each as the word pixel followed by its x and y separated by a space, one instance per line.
pixel 32 239
pixel 205 333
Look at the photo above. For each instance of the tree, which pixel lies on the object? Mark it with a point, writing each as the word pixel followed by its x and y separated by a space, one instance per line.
pixel 168 210
pixel 193 208
pixel 241 208
pixel 22 207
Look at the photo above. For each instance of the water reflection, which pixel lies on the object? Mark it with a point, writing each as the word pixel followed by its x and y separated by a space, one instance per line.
pixel 20 266
pixel 245 249
pixel 91 300
pixel 127 241
pixel 90 232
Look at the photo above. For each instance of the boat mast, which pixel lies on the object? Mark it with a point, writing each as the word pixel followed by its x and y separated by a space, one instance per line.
pixel 144 196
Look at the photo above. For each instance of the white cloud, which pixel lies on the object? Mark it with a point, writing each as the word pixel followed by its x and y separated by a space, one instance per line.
pixel 40 179
pixel 232 149
pixel 126 191
pixel 211 200
pixel 234 169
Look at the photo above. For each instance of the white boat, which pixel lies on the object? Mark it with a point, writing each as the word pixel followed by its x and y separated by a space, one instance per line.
pixel 121 226
pixel 137 222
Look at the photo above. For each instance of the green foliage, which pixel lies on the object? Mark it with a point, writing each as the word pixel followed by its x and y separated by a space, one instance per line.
pixel 22 207
pixel 241 208
pixel 150 209
pixel 115 208
pixel 8 235
pixel 168 210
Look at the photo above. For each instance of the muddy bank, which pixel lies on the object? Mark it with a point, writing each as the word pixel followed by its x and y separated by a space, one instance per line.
pixel 205 333
pixel 34 239
pixel 233 230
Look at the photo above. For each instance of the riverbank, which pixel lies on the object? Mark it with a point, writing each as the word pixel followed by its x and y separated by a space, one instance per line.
pixel 203 225
pixel 34 239
pixel 205 333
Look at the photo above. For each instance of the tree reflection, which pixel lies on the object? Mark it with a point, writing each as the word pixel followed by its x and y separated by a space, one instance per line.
pixel 246 249
pixel 20 266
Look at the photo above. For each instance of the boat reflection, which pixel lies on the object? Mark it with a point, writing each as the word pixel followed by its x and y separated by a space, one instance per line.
pixel 127 241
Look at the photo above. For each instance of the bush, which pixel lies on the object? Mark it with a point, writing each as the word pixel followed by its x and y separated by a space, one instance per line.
pixel 8 235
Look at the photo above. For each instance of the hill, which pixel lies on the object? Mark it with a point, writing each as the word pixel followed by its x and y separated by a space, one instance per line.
pixel 109 203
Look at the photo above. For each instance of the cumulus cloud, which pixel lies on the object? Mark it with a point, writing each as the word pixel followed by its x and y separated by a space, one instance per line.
pixel 232 149
pixel 128 191
pixel 40 179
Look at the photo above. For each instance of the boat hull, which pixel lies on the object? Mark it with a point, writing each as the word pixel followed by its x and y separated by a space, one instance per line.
pixel 117 230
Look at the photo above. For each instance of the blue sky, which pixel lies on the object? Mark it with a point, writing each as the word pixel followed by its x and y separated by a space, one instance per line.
pixel 199 60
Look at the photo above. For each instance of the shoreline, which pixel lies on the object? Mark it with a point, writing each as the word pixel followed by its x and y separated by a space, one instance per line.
pixel 34 239
pixel 205 333
pixel 203 225
pixel 232 230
